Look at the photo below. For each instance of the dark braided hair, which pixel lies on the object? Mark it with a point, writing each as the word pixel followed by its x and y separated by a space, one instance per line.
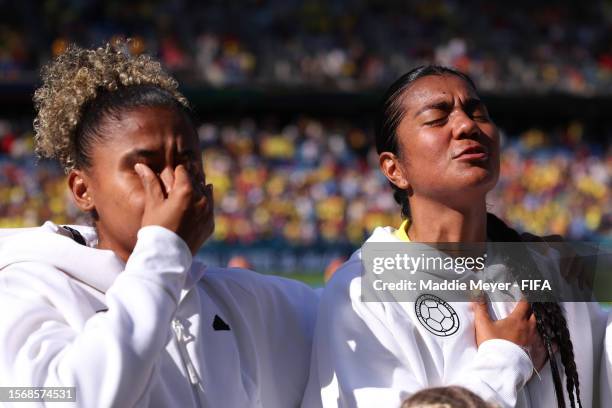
pixel 550 321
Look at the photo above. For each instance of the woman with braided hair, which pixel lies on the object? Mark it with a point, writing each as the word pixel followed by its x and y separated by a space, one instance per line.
pixel 440 151
pixel 122 311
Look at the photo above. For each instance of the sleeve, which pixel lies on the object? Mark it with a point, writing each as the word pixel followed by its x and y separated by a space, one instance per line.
pixel 606 367
pixel 111 358
pixel 359 359
pixel 497 374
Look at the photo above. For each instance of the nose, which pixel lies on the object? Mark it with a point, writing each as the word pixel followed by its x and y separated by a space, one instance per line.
pixel 463 125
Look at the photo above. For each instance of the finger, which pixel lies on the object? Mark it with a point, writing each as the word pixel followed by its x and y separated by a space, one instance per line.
pixel 481 314
pixel 150 182
pixel 211 198
pixel 522 309
pixel 533 323
pixel 205 202
pixel 208 194
pixel 202 199
pixel 167 177
pixel 537 343
pixel 199 187
pixel 209 218
pixel 182 178
pixel 478 296
pixel 533 320
pixel 538 353
pixel 198 182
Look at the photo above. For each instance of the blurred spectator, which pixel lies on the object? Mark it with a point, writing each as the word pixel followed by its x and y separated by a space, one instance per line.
pixel 333 267
pixel 509 47
pixel 312 182
pixel 239 262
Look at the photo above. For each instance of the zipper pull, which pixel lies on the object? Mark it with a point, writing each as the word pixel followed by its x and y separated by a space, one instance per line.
pixel 193 376
pixel 177 327
pixel 180 331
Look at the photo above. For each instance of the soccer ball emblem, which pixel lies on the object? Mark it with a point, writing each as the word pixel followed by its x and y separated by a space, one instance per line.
pixel 436 315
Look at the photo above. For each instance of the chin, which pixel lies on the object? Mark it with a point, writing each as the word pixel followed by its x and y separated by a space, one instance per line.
pixel 478 178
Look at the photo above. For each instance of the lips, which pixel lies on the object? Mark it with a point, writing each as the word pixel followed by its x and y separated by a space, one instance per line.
pixel 473 151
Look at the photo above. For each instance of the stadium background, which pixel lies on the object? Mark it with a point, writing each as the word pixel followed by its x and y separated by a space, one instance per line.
pixel 287 92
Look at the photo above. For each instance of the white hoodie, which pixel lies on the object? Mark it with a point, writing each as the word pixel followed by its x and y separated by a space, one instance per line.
pixel 157 331
pixel 376 354
pixel 606 367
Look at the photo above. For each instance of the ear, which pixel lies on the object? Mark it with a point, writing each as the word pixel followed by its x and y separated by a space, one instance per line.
pixel 393 170
pixel 81 192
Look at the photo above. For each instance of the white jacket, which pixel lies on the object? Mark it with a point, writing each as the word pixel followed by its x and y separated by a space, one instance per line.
pixel 376 354
pixel 606 367
pixel 157 331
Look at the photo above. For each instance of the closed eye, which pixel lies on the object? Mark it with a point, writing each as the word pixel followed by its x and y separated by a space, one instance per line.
pixel 476 110
pixel 437 122
pixel 481 117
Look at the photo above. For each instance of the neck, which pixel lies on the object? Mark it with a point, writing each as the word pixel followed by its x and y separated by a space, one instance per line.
pixel 436 222
pixel 105 243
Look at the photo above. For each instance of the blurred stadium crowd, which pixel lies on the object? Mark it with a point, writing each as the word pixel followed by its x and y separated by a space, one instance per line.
pixel 508 47
pixel 316 181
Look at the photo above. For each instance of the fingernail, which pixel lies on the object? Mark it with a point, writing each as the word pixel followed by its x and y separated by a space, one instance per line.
pixel 138 168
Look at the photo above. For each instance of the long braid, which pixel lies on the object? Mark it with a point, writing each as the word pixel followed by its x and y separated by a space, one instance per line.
pixel 567 357
pixel 550 322
pixel 544 326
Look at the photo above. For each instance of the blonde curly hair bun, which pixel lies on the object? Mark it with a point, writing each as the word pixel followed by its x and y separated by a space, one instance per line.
pixel 75 79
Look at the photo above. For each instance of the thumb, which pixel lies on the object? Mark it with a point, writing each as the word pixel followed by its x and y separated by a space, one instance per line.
pixel 149 181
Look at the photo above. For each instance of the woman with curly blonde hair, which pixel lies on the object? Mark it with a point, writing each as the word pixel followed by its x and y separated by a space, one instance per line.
pixel 122 311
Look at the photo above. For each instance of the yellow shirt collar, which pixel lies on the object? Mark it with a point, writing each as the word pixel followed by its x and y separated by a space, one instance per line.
pixel 401 232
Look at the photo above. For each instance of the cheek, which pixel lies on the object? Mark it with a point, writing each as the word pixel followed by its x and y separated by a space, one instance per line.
pixel 434 144
pixel 427 151
pixel 125 198
pixel 135 199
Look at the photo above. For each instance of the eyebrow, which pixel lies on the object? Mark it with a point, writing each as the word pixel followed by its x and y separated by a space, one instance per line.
pixel 447 106
pixel 473 103
pixel 142 153
pixel 153 154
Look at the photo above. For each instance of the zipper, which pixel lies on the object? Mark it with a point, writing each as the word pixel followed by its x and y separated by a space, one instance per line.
pixel 182 336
